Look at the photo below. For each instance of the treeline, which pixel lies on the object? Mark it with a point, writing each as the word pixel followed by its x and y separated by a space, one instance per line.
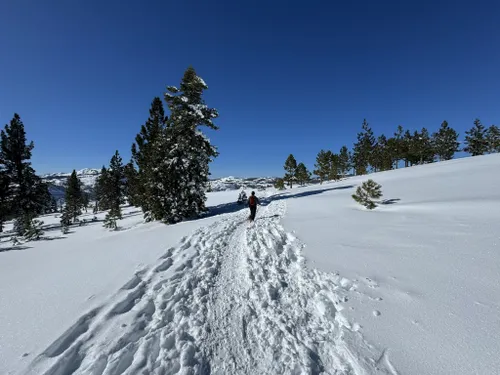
pixel 373 154
pixel 23 195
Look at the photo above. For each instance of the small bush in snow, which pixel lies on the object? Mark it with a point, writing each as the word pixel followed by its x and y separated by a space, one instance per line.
pixel 366 192
pixel 280 184
pixel 110 222
pixel 15 241
pixel 65 221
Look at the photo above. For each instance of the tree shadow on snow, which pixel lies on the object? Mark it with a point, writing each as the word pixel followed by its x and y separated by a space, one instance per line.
pixel 390 201
pixel 14 248
pixel 302 194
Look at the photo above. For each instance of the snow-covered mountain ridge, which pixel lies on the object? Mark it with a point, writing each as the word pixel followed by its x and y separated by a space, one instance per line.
pixel 88 177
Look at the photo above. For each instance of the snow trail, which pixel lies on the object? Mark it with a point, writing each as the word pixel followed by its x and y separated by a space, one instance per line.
pixel 232 298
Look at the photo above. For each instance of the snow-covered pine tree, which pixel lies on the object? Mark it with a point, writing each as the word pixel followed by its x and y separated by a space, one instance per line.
pixel 368 191
pixel 322 166
pixel 493 138
pixel 114 190
pixel 290 169
pixel 445 142
pixel 27 193
pixel 302 175
pixel 182 153
pixel 475 139
pixel 344 161
pixel 34 231
pixel 65 221
pixel 363 149
pixel 73 197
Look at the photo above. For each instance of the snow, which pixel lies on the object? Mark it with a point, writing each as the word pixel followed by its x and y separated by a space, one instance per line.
pixel 317 284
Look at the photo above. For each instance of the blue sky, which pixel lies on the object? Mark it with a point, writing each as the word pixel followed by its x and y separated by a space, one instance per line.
pixel 286 77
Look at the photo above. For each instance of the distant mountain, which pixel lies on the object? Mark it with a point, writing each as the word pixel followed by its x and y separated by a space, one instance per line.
pixel 88 177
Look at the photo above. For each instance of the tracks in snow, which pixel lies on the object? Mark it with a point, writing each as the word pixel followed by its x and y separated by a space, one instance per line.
pixel 230 299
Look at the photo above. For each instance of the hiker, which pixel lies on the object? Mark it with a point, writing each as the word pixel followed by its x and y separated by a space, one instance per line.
pixel 253 201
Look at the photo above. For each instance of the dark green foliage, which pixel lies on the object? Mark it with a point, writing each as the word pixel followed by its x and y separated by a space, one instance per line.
pixel 65 221
pixel 290 170
pixel 132 184
pixel 445 142
pixel 493 139
pixel 368 191
pixel 25 195
pixel 101 191
pixel 279 184
pixel 345 161
pixel 421 148
pixel 398 146
pixel 475 140
pixel 113 190
pixel 322 166
pixel 382 157
pixel 302 175
pixel 363 149
pixel 334 166
pixel 73 197
pixel 33 230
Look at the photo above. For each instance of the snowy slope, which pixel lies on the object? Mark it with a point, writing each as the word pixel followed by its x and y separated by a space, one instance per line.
pixel 424 271
pixel 316 285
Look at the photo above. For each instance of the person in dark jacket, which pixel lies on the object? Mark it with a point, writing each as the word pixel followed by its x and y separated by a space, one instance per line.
pixel 253 201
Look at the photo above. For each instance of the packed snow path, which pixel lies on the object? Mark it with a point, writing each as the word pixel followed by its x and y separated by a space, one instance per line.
pixel 232 298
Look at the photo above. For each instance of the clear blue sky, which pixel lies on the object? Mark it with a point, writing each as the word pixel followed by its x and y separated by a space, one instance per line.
pixel 286 77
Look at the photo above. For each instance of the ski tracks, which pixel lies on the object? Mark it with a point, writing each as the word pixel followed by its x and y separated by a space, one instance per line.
pixel 230 299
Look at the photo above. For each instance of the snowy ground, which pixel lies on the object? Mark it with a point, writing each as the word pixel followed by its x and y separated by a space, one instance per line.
pixel 316 285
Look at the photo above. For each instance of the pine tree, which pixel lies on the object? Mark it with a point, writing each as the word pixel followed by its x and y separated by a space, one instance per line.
pixel 344 161
pixel 363 149
pixel 382 158
pixel 322 166
pixel 279 184
pixel 101 191
pixel 5 196
pixel 445 142
pixel 493 138
pixel 366 192
pixel 73 197
pixel 421 148
pixel 302 175
pixel 26 191
pixel 53 205
pixel 114 190
pixel 407 148
pixel 398 145
pixel 132 184
pixel 290 169
pixel 475 139
pixel 334 166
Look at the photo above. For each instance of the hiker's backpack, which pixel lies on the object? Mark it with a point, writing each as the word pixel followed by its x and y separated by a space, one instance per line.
pixel 252 200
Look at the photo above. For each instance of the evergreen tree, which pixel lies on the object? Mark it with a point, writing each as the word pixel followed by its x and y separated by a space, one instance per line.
pixel 53 205
pixel 132 184
pixel 322 166
pixel 26 191
pixel 85 200
pixel 398 145
pixel 382 158
pixel 475 139
pixel 73 197
pixel 407 148
pixel 114 190
pixel 445 142
pixel 344 161
pixel 365 194
pixel 290 169
pixel 363 149
pixel 5 196
pixel 421 148
pixel 101 188
pixel 279 184
pixel 334 166
pixel 493 139
pixel 302 175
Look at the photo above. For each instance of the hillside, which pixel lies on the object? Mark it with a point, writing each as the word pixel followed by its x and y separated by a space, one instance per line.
pixel 317 285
